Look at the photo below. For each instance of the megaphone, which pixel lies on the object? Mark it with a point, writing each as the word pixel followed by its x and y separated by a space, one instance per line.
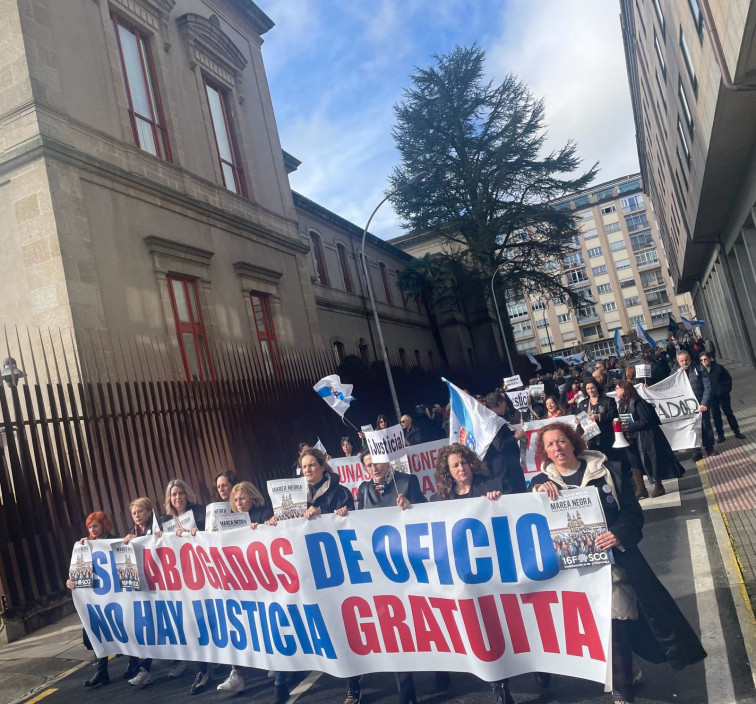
pixel 619 436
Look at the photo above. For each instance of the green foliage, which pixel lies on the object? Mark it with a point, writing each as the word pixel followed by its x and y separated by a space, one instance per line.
pixel 488 183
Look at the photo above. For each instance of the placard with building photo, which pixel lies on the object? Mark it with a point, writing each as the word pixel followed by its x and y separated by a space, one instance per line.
pixel 575 519
pixel 126 565
pixel 215 511
pixel 80 571
pixel 288 497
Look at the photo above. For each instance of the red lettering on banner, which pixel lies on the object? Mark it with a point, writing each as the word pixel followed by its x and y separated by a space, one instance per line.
pixel 447 607
pixel 428 485
pixel 227 580
pixel 238 564
pixel 207 566
pixel 577 610
pixel 167 559
pixel 191 569
pixel 427 630
pixel 515 625
pixel 473 627
pixel 152 572
pixel 289 579
pixel 541 603
pixel 362 636
pixel 257 556
pixel 391 618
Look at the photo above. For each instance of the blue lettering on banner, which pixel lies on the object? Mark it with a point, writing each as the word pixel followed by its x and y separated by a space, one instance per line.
pixel 387 547
pixel 416 552
pixel 529 550
pixel 324 560
pixel 504 550
pixel 107 623
pixel 237 632
pixel 461 547
pixel 353 557
pixel 441 553
pixel 285 643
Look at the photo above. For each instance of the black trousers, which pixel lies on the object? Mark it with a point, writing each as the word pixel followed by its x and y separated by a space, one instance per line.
pixel 707 434
pixel 721 404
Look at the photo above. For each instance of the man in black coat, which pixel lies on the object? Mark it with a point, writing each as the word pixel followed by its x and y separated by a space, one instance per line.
pixel 701 385
pixel 721 386
pixel 413 434
pixel 657 373
pixel 503 454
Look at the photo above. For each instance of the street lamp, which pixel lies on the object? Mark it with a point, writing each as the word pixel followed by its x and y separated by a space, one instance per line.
pixel 415 179
pixel 501 325
pixel 11 373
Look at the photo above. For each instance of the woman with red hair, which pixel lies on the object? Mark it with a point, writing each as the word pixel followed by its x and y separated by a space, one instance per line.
pixel 99 527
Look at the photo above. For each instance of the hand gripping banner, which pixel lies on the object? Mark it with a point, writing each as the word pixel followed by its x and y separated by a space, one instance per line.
pixel 470 586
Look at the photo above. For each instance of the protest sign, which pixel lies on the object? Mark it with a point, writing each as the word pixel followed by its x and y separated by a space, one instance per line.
pixel 234 520
pixel 471 586
pixel 520 399
pixel 513 382
pixel 536 389
pixel 288 497
pixel 126 566
pixel 642 371
pixel 677 408
pixel 531 428
pixel 80 571
pixel 186 520
pixel 366 428
pixel 386 444
pixel 575 520
pixel 590 427
pixel 420 461
pixel 214 511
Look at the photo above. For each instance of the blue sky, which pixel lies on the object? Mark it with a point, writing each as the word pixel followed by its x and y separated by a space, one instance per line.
pixel 337 67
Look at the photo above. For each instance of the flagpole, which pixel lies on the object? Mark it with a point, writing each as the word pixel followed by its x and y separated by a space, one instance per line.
pixel 501 325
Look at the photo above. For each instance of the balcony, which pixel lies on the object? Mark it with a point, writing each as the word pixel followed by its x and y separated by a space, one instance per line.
pixel 523 334
pixel 647 265
pixel 633 208
pixel 587 318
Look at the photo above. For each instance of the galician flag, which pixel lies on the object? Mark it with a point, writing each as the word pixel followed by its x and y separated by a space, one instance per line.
pixel 643 335
pixel 619 343
pixel 337 395
pixel 533 361
pixel 470 422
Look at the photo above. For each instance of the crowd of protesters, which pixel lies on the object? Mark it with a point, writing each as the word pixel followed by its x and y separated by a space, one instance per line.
pixel 604 392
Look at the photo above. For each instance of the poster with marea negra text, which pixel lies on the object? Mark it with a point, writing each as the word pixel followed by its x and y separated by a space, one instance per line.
pixel 80 571
pixel 126 565
pixel 215 511
pixel 288 497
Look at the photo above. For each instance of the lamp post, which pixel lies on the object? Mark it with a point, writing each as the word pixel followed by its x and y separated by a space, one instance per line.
pixel 11 373
pixel 501 325
pixel 415 179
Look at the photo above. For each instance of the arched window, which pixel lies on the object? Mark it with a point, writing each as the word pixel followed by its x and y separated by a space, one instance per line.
pixel 384 278
pixel 338 351
pixel 344 264
pixel 320 267
pixel 402 357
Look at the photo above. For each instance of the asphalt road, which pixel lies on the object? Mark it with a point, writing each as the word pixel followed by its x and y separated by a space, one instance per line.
pixel 679 543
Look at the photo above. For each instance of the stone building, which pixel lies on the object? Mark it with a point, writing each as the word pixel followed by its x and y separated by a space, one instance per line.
pixel 692 70
pixel 144 190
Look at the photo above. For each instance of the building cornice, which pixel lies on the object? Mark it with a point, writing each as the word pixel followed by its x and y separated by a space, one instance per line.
pixel 255 271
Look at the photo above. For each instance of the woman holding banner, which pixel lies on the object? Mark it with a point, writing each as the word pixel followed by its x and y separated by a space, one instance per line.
pixel 649 449
pixel 461 474
pixel 245 497
pixel 325 494
pixel 645 617
pixel 99 527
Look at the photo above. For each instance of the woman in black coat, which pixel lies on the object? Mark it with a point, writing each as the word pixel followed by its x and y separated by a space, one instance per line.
pixel 602 410
pixel 646 618
pixel 649 448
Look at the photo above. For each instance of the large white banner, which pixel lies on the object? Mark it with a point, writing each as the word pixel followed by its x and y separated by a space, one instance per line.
pixel 677 408
pixel 420 460
pixel 469 586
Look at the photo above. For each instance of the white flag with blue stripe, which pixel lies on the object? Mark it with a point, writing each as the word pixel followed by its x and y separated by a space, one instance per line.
pixel 619 343
pixel 470 422
pixel 643 335
pixel 337 395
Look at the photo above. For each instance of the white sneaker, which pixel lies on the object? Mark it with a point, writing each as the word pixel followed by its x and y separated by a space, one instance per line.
pixel 142 678
pixel 234 683
pixel 177 669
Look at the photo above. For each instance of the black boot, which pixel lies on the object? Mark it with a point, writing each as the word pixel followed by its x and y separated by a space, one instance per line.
pixel 280 694
pixel 500 690
pixel 101 676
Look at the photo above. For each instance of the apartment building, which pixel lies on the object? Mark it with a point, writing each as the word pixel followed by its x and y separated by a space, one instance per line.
pixel 692 71
pixel 618 264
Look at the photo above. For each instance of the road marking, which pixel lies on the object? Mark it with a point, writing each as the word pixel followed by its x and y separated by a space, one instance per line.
pixel 41 696
pixel 303 686
pixel 717 668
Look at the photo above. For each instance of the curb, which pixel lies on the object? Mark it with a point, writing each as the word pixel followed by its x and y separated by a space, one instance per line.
pixel 735 581
pixel 42 688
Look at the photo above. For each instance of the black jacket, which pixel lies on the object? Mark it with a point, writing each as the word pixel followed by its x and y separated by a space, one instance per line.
pixel 661 633
pixel 607 411
pixel 503 460
pixel 720 380
pixel 260 514
pixel 649 448
pixel 415 435
pixel 700 383
pixel 199 516
pixel 329 495
pixel 402 483
pixel 480 487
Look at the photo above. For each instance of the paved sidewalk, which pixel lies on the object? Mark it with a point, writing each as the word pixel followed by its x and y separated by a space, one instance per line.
pixel 30 663
pixel 730 481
